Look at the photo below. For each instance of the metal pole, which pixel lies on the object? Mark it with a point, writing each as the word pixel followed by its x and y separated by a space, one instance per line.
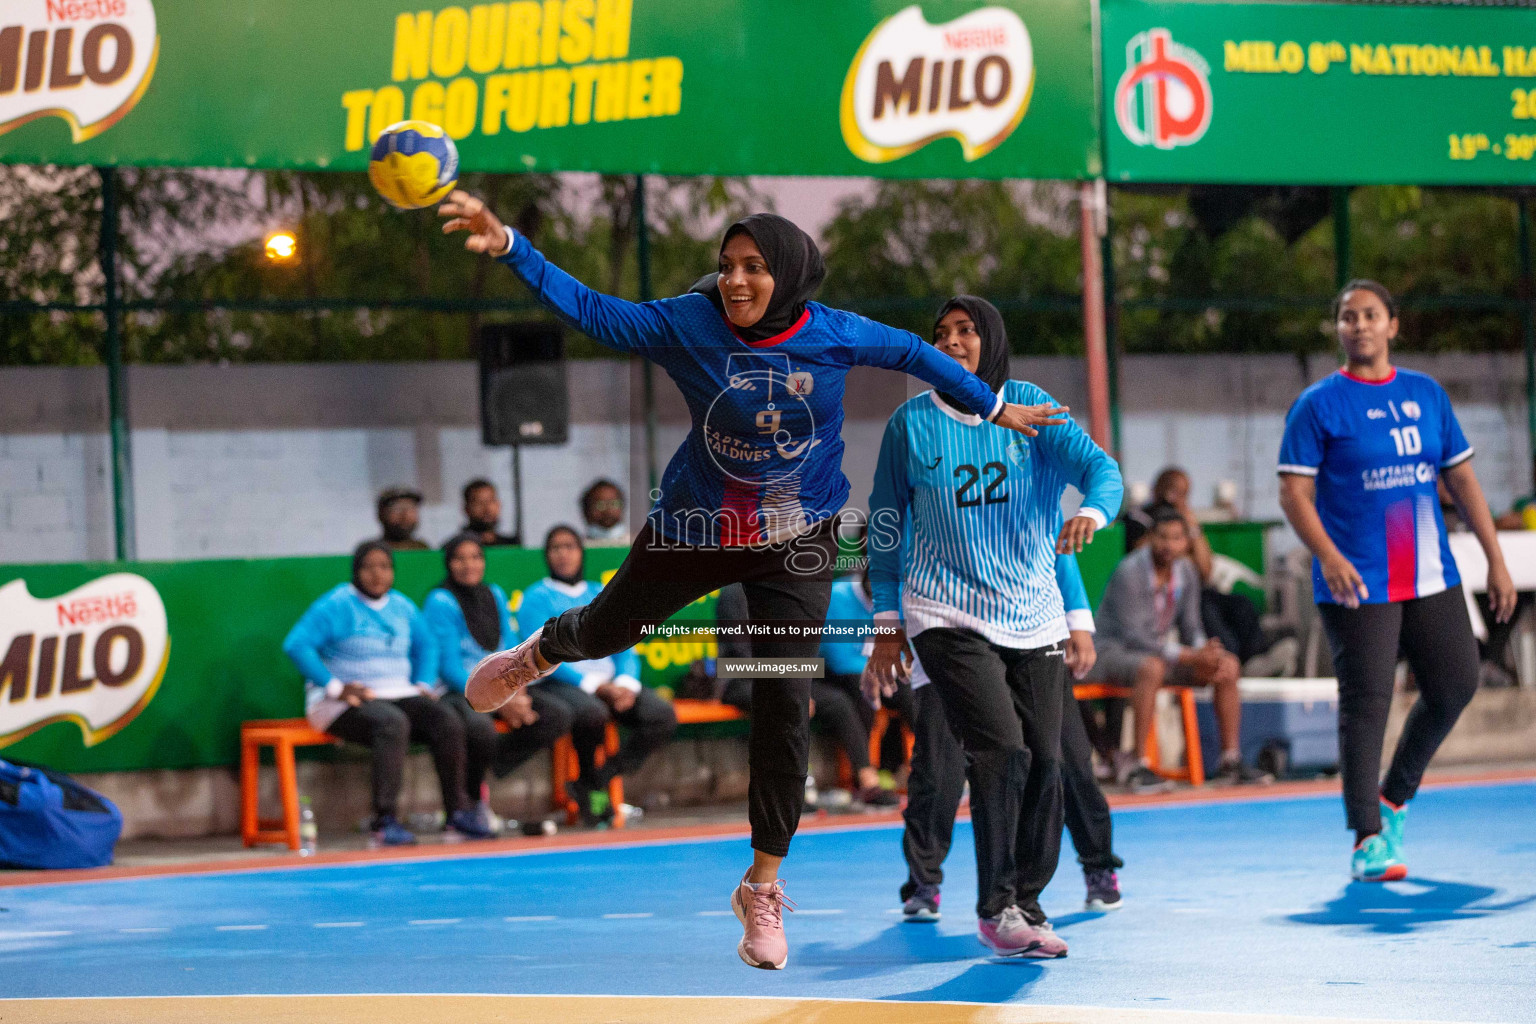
pixel 117 394
pixel 1111 332
pixel 517 490
pixel 643 247
pixel 1528 322
pixel 1342 261
pixel 1091 202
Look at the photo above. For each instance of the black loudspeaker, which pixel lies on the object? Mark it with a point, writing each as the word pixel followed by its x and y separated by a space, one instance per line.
pixel 524 398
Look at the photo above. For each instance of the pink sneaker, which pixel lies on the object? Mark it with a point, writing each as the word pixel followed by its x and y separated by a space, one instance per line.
pixel 1011 934
pixel 499 676
pixel 761 913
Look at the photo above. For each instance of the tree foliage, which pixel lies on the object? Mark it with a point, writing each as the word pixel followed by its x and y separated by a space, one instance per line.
pixel 1195 270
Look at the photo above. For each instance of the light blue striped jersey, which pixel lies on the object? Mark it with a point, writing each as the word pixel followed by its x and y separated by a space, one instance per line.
pixel 983 506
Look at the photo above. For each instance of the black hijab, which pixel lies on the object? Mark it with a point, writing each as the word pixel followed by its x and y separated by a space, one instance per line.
pixel 793 260
pixel 361 552
pixel 477 603
pixel 992 364
pixel 581 568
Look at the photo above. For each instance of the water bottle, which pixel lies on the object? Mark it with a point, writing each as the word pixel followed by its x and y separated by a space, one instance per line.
pixel 309 832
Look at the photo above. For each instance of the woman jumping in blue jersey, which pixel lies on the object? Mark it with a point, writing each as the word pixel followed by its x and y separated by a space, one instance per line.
pixel 978 589
pixel 1358 463
pixel 749 496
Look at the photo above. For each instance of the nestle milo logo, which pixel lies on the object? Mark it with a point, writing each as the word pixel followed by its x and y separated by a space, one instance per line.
pixel 94 656
pixel 86 61
pixel 912 83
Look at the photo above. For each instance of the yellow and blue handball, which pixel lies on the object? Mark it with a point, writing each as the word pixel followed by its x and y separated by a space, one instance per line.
pixel 414 164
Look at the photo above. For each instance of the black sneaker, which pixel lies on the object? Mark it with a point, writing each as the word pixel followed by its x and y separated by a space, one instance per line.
pixel 1144 780
pixel 1103 890
pixel 875 796
pixel 591 802
pixel 922 906
pixel 1235 773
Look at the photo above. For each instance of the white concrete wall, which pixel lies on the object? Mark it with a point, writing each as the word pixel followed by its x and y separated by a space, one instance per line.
pixel 287 460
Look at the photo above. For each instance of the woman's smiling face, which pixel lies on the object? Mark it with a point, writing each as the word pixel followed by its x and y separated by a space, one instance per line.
pixel 745 283
pixel 956 336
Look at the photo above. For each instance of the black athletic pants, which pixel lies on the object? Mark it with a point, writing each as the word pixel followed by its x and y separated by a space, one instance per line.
pixel 841 709
pixel 1436 635
pixel 650 722
pixel 387 728
pixel 1005 706
pixel 937 782
pixel 508 750
pixel 784 582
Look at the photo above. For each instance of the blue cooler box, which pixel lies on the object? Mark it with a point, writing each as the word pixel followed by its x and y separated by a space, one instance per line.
pixel 1301 715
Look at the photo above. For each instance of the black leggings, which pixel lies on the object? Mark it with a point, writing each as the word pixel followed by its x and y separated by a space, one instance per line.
pixel 785 582
pixel 840 708
pixel 387 728
pixel 1436 635
pixel 650 722
pixel 937 782
pixel 1005 706
pixel 479 742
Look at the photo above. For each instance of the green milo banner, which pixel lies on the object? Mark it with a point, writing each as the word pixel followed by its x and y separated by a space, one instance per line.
pixel 120 666
pixel 942 88
pixel 1319 93
pixel 135 665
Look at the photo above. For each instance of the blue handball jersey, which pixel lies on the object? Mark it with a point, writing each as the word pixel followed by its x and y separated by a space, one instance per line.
pixel 763 459
pixel 1376 449
pixel 964 516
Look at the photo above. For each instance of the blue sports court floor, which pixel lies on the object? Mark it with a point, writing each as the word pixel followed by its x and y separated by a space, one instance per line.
pixel 1238 909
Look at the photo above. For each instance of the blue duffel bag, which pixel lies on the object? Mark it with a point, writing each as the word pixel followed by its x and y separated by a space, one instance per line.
pixel 48 820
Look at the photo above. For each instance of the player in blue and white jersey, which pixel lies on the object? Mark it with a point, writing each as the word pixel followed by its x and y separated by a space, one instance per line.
pixel 977 586
pixel 1362 450
pixel 937 779
pixel 748 498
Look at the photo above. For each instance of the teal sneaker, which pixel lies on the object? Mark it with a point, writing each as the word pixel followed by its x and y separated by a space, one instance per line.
pixel 1393 821
pixel 1373 861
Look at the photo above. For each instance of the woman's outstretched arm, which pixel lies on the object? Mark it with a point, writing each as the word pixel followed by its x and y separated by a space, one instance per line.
pixel 630 327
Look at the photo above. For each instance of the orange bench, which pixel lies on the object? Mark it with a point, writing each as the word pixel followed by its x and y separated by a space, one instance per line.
pixel 282 735
pixel 1193 771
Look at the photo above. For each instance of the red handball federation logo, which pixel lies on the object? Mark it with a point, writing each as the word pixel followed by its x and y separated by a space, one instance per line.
pixel 1164 97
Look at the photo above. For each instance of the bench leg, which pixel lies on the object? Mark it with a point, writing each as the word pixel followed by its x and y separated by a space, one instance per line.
pixel 877 735
pixel 288 784
pixel 250 779
pixel 1193 756
pixel 616 784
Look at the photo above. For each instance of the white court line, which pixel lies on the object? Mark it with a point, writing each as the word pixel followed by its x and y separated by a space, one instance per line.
pixel 241 928
pixel 141 931
pixel 338 924
pixel 626 917
pixel 716 913
pixel 437 920
pixel 532 917
pixel 32 935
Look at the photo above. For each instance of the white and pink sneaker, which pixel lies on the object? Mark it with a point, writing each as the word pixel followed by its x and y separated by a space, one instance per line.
pixel 1011 934
pixel 760 909
pixel 499 676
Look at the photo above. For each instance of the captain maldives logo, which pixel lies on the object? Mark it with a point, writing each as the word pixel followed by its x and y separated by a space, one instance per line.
pixel 1164 97
pixel 94 656
pixel 86 61
pixel 912 83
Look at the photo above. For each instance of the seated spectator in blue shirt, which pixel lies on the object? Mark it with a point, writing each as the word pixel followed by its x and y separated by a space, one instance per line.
pixel 469 620
pixel 370 671
pixel 593 691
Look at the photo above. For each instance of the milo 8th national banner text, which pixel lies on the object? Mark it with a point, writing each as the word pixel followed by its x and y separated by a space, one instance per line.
pixel 939 88
pixel 1312 93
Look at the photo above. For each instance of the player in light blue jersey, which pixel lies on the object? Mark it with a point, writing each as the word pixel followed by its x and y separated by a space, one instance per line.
pixel 977 585
pixel 937 780
pixel 1362 450
pixel 748 497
